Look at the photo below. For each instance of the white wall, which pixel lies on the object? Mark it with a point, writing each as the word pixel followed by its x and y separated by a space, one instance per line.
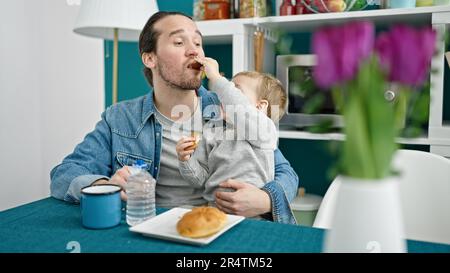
pixel 51 93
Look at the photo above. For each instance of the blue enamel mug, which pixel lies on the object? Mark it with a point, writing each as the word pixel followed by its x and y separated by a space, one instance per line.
pixel 101 206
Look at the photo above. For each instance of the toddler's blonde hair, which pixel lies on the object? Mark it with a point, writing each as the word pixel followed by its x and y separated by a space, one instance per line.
pixel 270 89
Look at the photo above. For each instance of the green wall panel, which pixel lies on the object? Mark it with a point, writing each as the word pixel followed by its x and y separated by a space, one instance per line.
pixel 131 81
pixel 311 160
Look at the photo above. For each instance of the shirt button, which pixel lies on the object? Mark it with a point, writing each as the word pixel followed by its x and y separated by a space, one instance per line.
pixel 157 134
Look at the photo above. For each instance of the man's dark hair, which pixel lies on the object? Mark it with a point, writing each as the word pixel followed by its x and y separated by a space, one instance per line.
pixel 149 37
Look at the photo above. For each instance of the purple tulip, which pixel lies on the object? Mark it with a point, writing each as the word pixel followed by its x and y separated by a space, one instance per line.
pixel 405 53
pixel 340 51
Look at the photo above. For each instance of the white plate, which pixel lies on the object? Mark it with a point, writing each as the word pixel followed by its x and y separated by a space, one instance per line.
pixel 163 226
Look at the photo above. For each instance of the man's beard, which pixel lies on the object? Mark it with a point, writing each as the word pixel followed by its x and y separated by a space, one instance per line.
pixel 182 81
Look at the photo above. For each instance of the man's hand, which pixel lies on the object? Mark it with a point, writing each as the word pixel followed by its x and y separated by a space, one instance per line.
pixel 184 150
pixel 119 178
pixel 247 200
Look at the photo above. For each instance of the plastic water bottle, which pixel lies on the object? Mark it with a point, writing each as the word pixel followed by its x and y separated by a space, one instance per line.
pixel 141 194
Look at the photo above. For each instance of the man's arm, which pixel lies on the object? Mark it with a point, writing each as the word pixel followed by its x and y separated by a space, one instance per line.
pixel 89 162
pixel 272 201
pixel 282 190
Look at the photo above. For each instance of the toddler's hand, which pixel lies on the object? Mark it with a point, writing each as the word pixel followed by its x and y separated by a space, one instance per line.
pixel 185 148
pixel 210 67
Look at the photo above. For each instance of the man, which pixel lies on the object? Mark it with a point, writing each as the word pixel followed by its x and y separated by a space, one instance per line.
pixel 142 129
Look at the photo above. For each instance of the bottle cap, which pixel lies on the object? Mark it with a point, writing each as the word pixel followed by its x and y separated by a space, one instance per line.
pixel 140 164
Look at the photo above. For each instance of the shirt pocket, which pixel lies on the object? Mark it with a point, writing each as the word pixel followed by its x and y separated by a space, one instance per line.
pixel 126 159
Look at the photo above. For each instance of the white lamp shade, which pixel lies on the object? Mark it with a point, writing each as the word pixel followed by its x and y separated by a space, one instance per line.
pixel 98 18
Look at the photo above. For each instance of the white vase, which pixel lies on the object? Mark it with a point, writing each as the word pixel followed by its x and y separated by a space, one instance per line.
pixel 367 217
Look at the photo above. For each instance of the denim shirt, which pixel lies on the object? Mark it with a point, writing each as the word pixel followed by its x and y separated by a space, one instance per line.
pixel 129 131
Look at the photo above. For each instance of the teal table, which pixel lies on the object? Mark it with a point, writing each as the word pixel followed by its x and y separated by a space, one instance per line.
pixel 51 225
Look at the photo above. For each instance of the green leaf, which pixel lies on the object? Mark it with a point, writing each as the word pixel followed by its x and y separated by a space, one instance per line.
pixel 369 125
pixel 381 120
pixel 401 108
pixel 356 162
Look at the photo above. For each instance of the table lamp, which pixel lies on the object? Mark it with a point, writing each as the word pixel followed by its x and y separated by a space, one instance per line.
pixel 114 20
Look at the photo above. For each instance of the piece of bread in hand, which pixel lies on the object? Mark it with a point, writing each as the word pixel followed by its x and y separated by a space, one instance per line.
pixel 195 135
pixel 201 222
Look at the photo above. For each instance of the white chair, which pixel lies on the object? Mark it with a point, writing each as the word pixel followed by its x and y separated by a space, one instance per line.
pixel 324 215
pixel 424 193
